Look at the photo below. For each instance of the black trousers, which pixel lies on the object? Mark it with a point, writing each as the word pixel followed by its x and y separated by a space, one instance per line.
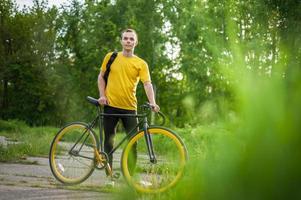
pixel 110 126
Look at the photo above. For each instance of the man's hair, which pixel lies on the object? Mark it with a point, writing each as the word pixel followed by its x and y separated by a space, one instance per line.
pixel 129 30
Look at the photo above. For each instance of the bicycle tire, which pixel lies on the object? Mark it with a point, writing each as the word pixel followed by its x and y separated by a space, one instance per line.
pixel 67 167
pixel 171 155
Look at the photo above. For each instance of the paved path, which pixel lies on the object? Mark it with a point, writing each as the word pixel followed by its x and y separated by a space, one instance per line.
pixel 24 192
pixel 32 179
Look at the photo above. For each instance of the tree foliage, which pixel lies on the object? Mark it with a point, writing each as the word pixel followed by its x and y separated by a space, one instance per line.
pixel 50 57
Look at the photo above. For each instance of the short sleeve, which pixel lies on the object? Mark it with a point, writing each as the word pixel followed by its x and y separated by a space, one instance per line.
pixel 144 73
pixel 104 62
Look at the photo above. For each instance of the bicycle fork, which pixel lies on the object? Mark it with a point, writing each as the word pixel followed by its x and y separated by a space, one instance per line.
pixel 149 143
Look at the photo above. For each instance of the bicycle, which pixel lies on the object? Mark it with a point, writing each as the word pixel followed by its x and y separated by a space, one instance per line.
pixel 158 165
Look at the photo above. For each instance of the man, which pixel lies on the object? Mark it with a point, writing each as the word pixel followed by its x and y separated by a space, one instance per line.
pixel 119 94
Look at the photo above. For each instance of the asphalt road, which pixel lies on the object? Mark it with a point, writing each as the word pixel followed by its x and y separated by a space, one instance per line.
pixel 32 179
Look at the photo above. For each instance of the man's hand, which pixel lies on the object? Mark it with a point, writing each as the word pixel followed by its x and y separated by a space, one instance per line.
pixel 103 100
pixel 155 107
pixel 148 87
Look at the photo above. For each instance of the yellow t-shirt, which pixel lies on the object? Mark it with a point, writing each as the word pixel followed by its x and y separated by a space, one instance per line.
pixel 123 80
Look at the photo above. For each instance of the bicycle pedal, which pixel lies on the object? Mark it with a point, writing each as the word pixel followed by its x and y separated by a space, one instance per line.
pixel 99 166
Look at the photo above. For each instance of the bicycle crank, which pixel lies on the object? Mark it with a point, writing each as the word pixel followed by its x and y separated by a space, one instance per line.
pixel 101 160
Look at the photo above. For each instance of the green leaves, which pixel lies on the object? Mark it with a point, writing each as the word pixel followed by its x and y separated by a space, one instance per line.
pixel 193 48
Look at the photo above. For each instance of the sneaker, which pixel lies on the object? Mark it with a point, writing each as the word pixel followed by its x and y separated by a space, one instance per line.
pixel 145 183
pixel 116 175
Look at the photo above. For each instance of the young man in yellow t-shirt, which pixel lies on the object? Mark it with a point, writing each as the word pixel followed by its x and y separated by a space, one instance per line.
pixel 119 94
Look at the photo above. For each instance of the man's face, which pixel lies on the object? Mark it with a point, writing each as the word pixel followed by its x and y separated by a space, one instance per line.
pixel 129 40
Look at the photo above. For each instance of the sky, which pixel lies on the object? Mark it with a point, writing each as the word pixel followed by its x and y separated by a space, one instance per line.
pixel 29 3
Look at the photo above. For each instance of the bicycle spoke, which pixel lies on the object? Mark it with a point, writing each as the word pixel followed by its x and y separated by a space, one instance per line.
pixel 72 160
pixel 159 176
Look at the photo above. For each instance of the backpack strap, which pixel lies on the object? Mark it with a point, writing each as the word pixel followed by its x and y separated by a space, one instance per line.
pixel 111 60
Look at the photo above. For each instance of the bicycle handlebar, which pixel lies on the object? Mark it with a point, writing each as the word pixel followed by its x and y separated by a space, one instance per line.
pixel 146 106
pixel 163 118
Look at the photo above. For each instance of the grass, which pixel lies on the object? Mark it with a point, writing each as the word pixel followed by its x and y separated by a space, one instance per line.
pixel 256 156
pixel 30 141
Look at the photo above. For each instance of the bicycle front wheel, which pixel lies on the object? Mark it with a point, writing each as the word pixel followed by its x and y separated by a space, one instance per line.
pixel 154 177
pixel 72 157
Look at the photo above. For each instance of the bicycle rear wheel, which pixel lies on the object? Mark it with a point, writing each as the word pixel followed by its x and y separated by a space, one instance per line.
pixel 72 157
pixel 145 176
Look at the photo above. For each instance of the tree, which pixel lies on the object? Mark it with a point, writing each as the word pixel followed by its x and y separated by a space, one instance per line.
pixel 27 68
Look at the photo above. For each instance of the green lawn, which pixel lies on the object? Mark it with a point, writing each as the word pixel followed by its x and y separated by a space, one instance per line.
pixel 29 141
pixel 36 141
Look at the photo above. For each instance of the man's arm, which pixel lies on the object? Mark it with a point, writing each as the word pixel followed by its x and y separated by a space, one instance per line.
pixel 148 87
pixel 101 88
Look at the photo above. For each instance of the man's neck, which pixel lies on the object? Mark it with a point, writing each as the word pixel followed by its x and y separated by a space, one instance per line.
pixel 128 53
